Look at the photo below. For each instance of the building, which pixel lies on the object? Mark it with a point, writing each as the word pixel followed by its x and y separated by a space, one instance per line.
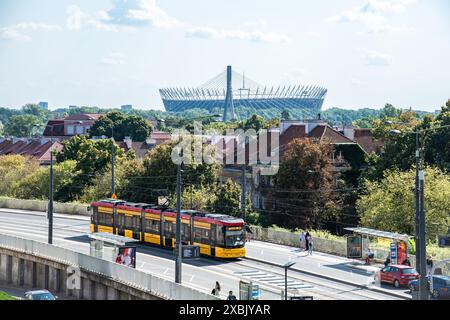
pixel 38 149
pixel 70 126
pixel 237 97
pixel 43 105
pixel 126 108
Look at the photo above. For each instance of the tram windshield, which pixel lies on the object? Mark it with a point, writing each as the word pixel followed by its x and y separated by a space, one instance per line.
pixel 234 237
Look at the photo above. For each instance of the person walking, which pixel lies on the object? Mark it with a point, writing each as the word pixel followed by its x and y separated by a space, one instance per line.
pixel 217 289
pixel 307 236
pixel 231 296
pixel 429 264
pixel 310 245
pixel 302 241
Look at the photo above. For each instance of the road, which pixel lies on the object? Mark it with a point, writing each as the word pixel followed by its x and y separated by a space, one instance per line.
pixel 71 232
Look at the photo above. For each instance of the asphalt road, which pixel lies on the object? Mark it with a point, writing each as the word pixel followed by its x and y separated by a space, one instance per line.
pixel 71 232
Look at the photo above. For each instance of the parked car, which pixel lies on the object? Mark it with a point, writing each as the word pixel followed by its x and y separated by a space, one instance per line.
pixel 441 286
pixel 39 295
pixel 398 275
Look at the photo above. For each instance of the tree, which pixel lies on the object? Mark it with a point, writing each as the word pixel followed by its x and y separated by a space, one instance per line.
pixel 12 169
pixel 159 176
pixel 303 185
pixel 137 128
pixel 22 125
pixel 285 115
pixel 228 199
pixel 389 204
pixel 36 185
pixel 255 122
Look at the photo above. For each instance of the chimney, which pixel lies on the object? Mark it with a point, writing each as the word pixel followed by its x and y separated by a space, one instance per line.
pixel 349 132
pixel 128 142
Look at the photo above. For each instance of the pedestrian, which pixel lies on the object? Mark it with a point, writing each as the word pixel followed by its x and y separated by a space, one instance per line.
pixel 406 262
pixel 248 232
pixel 231 296
pixel 310 245
pixel 307 236
pixel 387 261
pixel 217 289
pixel 302 240
pixel 429 264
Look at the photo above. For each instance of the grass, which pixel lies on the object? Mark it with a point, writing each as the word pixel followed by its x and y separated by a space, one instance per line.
pixel 5 296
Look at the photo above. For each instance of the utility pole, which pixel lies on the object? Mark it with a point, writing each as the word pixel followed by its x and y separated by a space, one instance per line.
pixel 244 192
pixel 417 195
pixel 113 160
pixel 423 293
pixel 50 202
pixel 178 258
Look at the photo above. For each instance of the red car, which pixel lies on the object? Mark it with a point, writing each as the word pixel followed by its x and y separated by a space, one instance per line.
pixel 398 275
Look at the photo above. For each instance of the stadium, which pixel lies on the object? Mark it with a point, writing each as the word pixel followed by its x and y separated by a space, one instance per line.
pixel 237 97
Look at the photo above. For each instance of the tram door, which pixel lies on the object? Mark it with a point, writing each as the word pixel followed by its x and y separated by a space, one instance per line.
pixel 213 239
pixel 136 222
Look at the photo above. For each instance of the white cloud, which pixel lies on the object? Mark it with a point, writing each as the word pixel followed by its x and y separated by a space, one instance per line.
pixel 374 58
pixel 256 24
pixel 312 34
pixel 257 36
pixel 372 15
pixel 20 31
pixel 125 15
pixel 114 58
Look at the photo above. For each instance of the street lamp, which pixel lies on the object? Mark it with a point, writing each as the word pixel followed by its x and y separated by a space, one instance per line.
pixel 420 230
pixel 286 267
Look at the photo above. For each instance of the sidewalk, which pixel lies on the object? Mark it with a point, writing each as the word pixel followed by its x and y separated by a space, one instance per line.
pixel 327 266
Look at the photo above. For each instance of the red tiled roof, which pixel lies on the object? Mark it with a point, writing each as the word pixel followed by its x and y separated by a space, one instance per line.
pixel 84 116
pixel 365 139
pixel 32 148
pixel 322 132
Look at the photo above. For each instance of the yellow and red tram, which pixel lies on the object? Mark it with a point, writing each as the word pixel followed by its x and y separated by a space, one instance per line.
pixel 217 235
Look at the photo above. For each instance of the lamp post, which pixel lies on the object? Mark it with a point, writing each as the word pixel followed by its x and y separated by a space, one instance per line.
pixel 286 267
pixel 178 258
pixel 113 159
pixel 420 220
pixel 50 200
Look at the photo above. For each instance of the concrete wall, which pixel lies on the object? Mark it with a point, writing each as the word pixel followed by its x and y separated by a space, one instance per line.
pixel 38 205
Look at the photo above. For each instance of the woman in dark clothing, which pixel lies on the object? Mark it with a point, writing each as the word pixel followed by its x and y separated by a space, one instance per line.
pixel 307 237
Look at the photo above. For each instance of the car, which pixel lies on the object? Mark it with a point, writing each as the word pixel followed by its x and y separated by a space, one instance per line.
pixel 398 275
pixel 39 295
pixel 441 286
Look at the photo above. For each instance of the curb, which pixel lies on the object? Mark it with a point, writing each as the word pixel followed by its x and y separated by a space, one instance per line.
pixel 334 279
pixel 43 213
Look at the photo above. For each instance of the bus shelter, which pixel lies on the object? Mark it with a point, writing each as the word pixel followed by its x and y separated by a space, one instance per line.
pixel 113 247
pixel 358 244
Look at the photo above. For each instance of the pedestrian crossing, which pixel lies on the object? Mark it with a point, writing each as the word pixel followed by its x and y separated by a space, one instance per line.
pixel 272 279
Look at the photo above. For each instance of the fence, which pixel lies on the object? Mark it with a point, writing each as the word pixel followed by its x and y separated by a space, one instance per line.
pixel 40 205
pixel 134 278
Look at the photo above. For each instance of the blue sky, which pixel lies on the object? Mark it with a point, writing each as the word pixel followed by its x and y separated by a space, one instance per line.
pixel 111 52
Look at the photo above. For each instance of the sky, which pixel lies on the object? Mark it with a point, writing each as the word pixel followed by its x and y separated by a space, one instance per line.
pixel 108 53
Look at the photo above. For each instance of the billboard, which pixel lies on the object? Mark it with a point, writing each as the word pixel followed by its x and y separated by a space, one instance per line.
pixel 354 247
pixel 126 255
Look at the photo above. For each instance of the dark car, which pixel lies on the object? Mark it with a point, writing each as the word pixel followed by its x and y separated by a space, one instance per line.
pixel 398 275
pixel 441 286
pixel 39 295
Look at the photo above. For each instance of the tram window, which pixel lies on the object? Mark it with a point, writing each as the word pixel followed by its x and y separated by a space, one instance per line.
pixel 219 236
pixel 185 232
pixel 105 219
pixel 152 226
pixel 168 229
pixel 197 235
pixel 128 222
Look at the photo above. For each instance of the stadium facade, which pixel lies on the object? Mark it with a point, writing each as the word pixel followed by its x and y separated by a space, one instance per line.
pixel 219 95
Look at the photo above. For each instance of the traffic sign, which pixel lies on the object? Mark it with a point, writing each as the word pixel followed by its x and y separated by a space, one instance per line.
pixel 113 196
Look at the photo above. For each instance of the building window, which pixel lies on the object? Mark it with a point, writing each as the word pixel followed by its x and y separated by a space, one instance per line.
pixel 70 130
pixel 79 130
